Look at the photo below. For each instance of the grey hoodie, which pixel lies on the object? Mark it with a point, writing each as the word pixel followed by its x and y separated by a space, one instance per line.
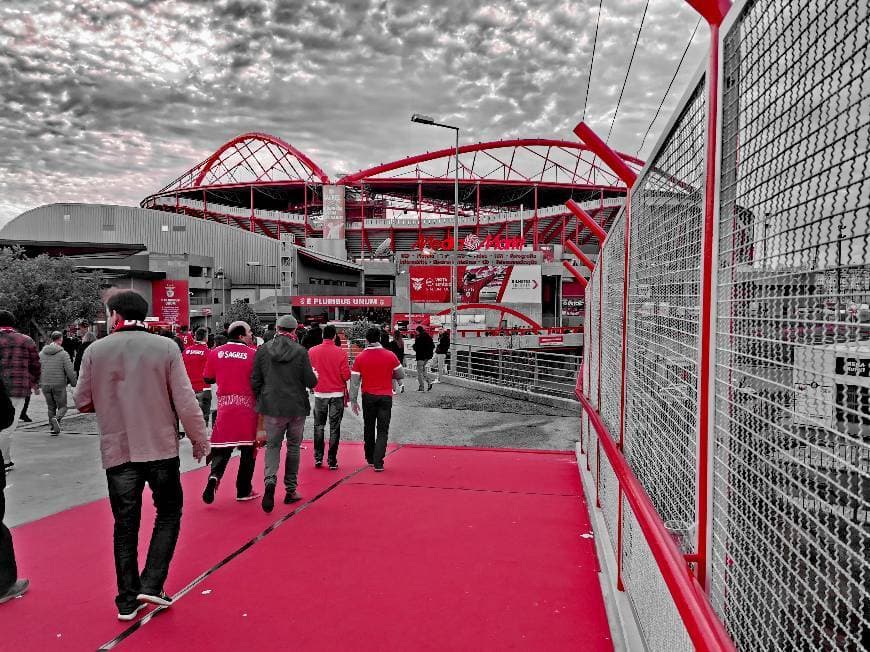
pixel 282 374
pixel 57 368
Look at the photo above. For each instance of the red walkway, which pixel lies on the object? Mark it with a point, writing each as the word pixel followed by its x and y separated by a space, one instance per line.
pixel 447 549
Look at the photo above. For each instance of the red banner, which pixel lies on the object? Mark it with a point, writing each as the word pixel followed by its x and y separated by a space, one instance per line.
pixel 170 302
pixel 430 284
pixel 342 301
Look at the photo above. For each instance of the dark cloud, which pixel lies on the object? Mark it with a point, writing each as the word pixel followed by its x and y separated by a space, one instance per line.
pixel 107 100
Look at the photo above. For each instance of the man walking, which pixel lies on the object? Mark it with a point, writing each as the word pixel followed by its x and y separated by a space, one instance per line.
pixel 19 371
pixel 136 384
pixel 374 371
pixel 281 377
pixel 441 351
pixel 56 373
pixel 424 347
pixel 10 586
pixel 86 338
pixel 230 367
pixel 333 371
pixel 195 356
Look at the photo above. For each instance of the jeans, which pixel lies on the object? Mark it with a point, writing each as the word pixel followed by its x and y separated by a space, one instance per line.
pixel 376 418
pixel 334 408
pixel 204 400
pixel 126 484
pixel 276 429
pixel 442 361
pixel 220 457
pixel 55 400
pixel 6 435
pixel 422 377
pixel 8 569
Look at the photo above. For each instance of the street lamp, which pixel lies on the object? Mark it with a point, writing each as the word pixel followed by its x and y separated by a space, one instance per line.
pixel 257 263
pixel 219 274
pixel 428 120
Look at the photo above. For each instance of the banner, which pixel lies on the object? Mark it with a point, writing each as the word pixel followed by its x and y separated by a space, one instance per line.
pixel 170 302
pixel 500 284
pixel 333 212
pixel 341 301
pixel 466 258
pixel 573 307
pixel 429 283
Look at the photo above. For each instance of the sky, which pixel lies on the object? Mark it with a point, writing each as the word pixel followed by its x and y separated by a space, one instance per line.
pixel 106 101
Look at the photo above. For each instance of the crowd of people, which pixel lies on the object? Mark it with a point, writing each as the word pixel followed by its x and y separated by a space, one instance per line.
pixel 223 392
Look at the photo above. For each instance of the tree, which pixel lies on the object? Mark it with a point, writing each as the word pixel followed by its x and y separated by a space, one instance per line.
pixel 357 331
pixel 242 311
pixel 46 293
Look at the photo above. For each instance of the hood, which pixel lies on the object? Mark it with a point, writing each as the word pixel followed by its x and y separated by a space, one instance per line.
pixel 282 349
pixel 51 349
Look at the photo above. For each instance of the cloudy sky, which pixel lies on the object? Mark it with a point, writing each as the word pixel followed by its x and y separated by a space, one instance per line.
pixel 108 100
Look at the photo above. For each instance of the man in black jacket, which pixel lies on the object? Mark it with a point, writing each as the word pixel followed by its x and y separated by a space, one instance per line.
pixel 424 347
pixel 10 586
pixel 282 374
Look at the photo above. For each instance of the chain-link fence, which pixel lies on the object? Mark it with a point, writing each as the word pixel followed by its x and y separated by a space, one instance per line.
pixel 782 542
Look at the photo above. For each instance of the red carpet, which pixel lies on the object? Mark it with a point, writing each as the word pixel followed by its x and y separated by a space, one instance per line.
pixel 448 549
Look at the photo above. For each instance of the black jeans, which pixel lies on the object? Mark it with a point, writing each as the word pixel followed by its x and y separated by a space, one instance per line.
pixel 376 417
pixel 220 457
pixel 8 569
pixel 126 484
pixel 334 409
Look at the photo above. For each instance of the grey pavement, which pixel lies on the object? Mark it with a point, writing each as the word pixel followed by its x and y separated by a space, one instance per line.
pixel 55 473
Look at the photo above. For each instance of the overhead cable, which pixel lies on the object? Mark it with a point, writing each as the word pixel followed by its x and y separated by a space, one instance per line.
pixel 592 60
pixel 627 70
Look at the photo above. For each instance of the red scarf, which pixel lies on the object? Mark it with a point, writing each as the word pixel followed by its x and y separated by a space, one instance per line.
pixel 130 325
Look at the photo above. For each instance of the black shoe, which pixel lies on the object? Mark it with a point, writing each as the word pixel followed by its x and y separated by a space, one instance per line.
pixel 9 466
pixel 15 591
pixel 55 426
pixel 160 599
pixel 430 388
pixel 210 487
pixel 269 498
pixel 291 497
pixel 333 466
pixel 25 418
pixel 318 464
pixel 129 613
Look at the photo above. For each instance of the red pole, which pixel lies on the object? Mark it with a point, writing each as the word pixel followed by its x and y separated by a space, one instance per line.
pixel 577 275
pixel 535 222
pixel 613 160
pixel 599 233
pixel 583 258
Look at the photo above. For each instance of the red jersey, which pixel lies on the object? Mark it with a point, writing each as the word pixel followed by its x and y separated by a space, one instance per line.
pixel 376 366
pixel 195 357
pixel 230 366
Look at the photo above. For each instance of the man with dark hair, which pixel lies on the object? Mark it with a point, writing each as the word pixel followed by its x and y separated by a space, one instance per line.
pixel 441 352
pixel 333 371
pixel 136 384
pixel 10 586
pixel 374 371
pixel 195 356
pixel 19 371
pixel 86 338
pixel 230 367
pixel 424 347
pixel 313 337
pixel 281 376
pixel 56 373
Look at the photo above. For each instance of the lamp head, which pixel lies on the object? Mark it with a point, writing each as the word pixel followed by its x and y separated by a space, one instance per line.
pixel 423 119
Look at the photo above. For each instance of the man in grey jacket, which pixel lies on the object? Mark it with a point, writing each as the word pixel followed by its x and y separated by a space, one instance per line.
pixel 282 374
pixel 137 385
pixel 57 372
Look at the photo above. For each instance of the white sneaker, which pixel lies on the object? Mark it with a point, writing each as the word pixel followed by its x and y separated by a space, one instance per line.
pixel 131 615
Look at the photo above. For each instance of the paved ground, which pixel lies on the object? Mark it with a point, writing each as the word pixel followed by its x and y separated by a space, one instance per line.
pixel 54 473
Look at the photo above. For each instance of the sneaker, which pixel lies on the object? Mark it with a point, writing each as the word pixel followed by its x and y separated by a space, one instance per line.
pixel 15 591
pixel 269 498
pixel 318 464
pixel 25 418
pixel 251 496
pixel 429 389
pixel 55 425
pixel 210 487
pixel 291 497
pixel 333 466
pixel 378 469
pixel 9 466
pixel 160 599
pixel 129 613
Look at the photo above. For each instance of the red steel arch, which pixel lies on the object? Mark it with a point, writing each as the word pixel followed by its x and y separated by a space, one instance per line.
pixel 495 306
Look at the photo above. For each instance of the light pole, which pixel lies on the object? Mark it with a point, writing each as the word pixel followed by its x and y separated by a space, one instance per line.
pixel 427 120
pixel 257 263
pixel 219 274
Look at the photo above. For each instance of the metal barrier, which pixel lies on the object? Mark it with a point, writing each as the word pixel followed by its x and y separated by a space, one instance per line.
pixel 735 430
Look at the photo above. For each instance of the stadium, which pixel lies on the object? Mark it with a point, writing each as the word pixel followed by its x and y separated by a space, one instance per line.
pixel 259 220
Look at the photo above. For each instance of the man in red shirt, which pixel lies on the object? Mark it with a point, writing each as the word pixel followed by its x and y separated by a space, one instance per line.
pixel 333 372
pixel 230 367
pixel 195 356
pixel 374 370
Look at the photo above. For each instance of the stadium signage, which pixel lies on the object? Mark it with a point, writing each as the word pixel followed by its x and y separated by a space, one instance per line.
pixel 491 257
pixel 342 301
pixel 471 242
